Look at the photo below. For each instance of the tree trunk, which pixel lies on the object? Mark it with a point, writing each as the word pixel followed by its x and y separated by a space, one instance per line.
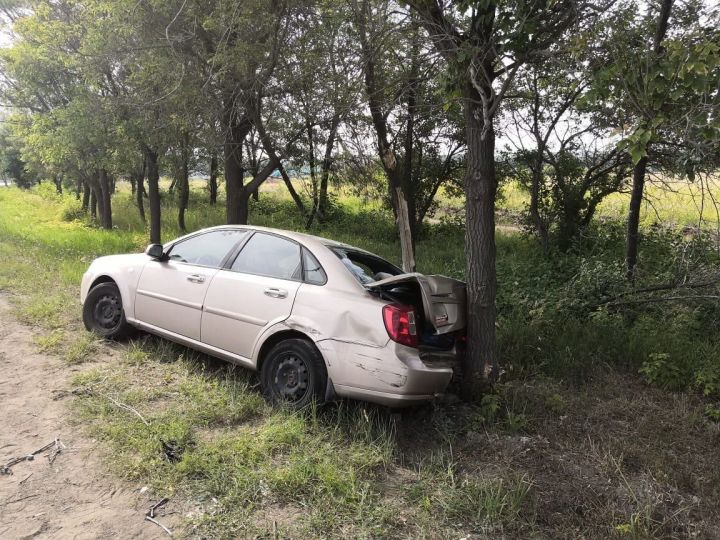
pixel 322 207
pixel 85 197
pixel 93 201
pixel 291 189
pixel 184 183
pixel 105 202
pixel 374 91
pixel 132 183
pixel 153 174
pixel 481 360
pixel 540 226
pixel 57 180
pixel 632 240
pixel 140 190
pixel 236 208
pixel 633 226
pixel 213 185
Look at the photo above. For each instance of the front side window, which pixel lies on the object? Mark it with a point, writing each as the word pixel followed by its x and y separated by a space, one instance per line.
pixel 206 249
pixel 365 267
pixel 269 255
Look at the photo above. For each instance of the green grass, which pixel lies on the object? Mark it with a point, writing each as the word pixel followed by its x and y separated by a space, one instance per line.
pixel 353 470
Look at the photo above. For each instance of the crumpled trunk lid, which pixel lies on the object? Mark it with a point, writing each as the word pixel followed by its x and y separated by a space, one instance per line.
pixel 443 298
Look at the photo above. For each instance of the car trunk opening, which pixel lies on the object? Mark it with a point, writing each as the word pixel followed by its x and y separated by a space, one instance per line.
pixel 439 304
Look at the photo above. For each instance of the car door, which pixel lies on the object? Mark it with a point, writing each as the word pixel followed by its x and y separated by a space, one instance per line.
pixel 170 293
pixel 255 292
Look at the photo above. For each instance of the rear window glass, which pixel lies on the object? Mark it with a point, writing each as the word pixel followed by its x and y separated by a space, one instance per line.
pixel 365 267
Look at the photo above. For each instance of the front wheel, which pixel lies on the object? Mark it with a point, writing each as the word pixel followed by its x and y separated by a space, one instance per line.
pixel 293 374
pixel 103 312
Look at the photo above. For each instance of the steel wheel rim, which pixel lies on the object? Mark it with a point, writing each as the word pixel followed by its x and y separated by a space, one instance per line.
pixel 107 312
pixel 291 378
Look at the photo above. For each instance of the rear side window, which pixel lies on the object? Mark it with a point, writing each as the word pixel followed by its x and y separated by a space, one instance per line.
pixel 206 249
pixel 312 271
pixel 268 255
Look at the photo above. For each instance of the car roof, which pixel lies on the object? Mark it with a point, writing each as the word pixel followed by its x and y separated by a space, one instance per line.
pixel 309 240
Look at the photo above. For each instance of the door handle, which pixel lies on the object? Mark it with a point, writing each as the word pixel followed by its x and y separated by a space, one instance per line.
pixel 196 278
pixel 275 293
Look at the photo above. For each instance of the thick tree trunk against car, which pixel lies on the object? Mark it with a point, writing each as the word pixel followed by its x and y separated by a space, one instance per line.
pixel 633 227
pixel 105 201
pixel 481 360
pixel 213 185
pixel 153 174
pixel 640 169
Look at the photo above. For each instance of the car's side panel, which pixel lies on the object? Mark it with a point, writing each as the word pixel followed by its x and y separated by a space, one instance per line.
pixel 170 296
pixel 240 307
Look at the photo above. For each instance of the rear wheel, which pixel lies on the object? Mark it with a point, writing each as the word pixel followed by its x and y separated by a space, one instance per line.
pixel 103 312
pixel 293 374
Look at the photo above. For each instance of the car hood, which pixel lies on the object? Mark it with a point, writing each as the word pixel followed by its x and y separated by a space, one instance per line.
pixel 443 298
pixel 121 261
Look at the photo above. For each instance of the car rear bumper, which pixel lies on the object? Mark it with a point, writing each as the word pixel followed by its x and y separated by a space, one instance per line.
pixel 393 375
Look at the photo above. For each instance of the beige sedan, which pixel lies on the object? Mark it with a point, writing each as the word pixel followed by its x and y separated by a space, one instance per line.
pixel 318 319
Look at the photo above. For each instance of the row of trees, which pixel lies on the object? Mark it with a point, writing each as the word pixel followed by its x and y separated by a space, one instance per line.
pixel 585 97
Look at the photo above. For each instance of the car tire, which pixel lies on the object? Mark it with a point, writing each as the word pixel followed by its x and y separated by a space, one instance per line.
pixel 103 312
pixel 293 374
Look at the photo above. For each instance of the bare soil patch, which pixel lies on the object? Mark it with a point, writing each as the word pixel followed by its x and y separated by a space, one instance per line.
pixel 73 497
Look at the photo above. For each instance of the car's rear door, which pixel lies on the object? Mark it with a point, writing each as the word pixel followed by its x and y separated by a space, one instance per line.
pixel 256 291
pixel 170 293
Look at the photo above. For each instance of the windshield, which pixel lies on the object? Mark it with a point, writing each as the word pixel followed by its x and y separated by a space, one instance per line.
pixel 365 267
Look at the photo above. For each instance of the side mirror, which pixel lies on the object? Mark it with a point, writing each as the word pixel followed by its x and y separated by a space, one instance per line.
pixel 155 251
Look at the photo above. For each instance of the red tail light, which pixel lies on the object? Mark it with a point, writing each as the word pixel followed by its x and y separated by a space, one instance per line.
pixel 400 324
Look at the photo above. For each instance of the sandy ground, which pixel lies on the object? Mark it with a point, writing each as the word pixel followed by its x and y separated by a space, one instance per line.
pixel 72 497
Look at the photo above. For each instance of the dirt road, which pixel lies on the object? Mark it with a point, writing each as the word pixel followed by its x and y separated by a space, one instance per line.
pixel 73 497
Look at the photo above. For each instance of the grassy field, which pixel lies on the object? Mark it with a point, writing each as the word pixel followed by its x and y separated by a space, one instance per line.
pixel 605 423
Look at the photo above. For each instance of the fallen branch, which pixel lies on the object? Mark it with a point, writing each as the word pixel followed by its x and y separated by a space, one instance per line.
pixel 157 505
pixel 150 515
pixel 6 469
pixel 126 407
pixel 163 527
pixel 88 391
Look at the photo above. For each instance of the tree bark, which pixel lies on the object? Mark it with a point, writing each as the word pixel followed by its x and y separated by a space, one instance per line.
pixel 322 207
pixel 213 185
pixel 236 208
pixel 481 361
pixel 140 190
pixel 153 174
pixel 184 183
pixel 105 199
pixel 57 180
pixel 633 227
pixel 93 201
pixel 85 197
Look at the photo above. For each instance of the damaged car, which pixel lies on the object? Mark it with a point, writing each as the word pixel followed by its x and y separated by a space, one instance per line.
pixel 316 318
